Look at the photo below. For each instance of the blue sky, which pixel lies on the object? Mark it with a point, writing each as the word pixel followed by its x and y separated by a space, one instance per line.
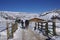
pixel 29 5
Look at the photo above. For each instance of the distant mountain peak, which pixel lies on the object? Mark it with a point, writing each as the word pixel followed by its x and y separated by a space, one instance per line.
pixel 57 11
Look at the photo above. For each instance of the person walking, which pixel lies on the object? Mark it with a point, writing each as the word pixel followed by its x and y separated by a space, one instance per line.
pixel 22 23
pixel 26 23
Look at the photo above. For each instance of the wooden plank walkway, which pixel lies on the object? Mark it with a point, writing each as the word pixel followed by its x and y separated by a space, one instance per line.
pixel 27 34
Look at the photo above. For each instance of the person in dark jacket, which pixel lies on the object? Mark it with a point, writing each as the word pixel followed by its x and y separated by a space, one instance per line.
pixel 22 23
pixel 26 23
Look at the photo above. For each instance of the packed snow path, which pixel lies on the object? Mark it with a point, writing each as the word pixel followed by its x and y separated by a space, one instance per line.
pixel 26 34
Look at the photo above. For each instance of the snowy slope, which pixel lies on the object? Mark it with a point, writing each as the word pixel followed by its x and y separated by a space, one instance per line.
pixel 13 15
pixel 49 15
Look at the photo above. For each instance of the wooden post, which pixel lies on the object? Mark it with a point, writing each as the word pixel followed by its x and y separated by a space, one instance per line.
pixel 7 31
pixel 14 28
pixel 54 28
pixel 35 26
pixel 41 25
pixel 46 28
pixel 38 25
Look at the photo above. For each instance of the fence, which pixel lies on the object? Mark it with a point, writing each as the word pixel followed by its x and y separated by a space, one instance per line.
pixel 11 28
pixel 45 28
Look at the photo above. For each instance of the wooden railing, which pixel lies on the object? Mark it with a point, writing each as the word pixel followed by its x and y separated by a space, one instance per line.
pixel 11 30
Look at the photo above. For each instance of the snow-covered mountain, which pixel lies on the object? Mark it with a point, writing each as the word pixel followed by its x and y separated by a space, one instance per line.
pixel 13 15
pixel 51 15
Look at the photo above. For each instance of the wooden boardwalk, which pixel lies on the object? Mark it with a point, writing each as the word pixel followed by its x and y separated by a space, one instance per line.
pixel 27 34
